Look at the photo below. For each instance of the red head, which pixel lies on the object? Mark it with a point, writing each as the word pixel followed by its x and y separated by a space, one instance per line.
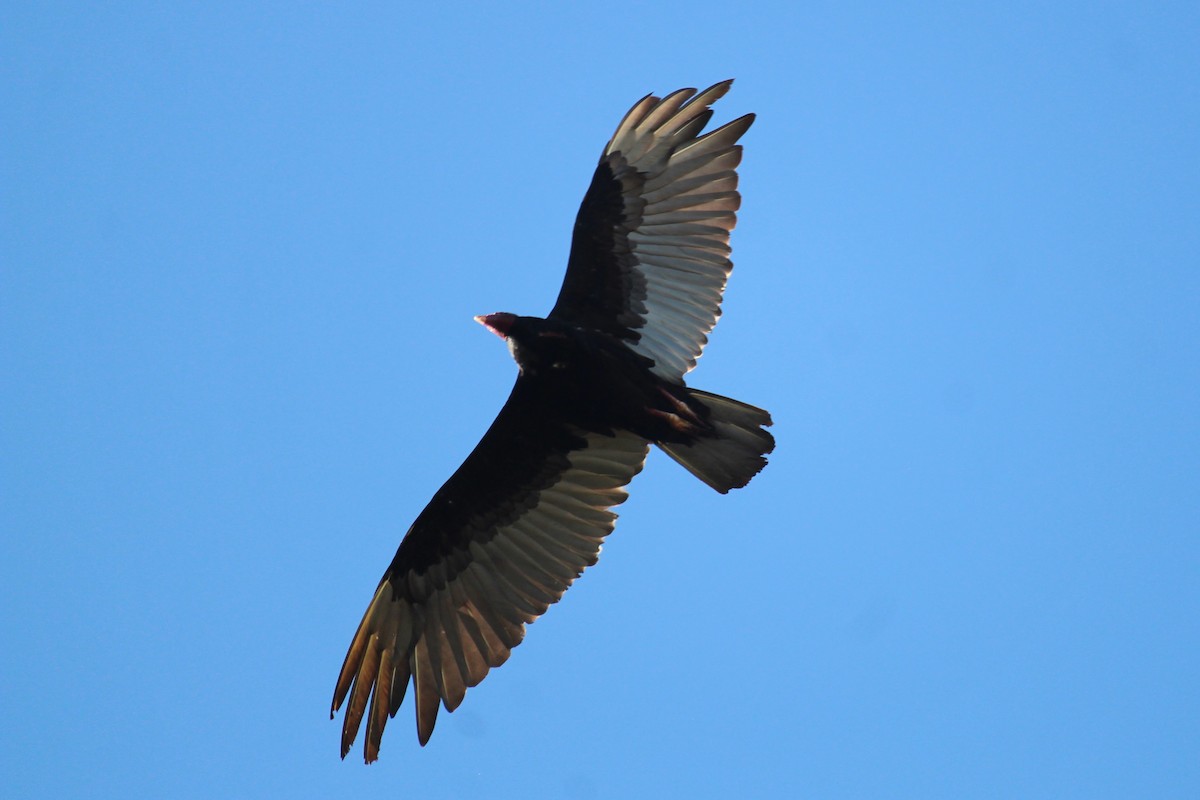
pixel 499 323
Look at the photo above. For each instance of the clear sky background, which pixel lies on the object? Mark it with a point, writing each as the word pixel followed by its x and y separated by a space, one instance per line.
pixel 240 251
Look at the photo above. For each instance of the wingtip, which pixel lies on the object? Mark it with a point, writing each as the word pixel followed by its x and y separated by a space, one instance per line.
pixel 714 92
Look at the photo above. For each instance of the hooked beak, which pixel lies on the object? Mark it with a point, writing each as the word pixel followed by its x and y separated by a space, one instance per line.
pixel 499 323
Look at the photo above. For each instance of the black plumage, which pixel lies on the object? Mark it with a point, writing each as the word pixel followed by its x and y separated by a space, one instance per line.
pixel 600 379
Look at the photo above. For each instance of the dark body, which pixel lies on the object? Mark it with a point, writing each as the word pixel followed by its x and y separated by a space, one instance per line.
pixel 571 380
pixel 598 381
pixel 601 379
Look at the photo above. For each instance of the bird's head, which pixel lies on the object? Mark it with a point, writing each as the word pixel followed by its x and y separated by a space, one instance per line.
pixel 536 344
pixel 504 325
pixel 500 323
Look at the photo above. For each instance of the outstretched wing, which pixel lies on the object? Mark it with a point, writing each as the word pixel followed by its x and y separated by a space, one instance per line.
pixel 650 251
pixel 498 544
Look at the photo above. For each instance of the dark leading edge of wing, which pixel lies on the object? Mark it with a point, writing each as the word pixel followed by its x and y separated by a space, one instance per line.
pixel 498 544
pixel 650 251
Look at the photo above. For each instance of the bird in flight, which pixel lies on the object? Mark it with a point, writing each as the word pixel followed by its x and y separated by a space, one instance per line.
pixel 600 379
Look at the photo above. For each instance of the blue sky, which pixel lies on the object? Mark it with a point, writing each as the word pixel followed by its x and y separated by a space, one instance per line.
pixel 240 249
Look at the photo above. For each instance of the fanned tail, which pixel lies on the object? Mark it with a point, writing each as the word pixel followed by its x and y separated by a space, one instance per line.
pixel 734 451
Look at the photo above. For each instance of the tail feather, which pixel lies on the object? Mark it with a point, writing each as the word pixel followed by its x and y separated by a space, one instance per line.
pixel 734 452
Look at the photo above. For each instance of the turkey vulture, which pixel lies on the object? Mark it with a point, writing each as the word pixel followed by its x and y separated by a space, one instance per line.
pixel 600 380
